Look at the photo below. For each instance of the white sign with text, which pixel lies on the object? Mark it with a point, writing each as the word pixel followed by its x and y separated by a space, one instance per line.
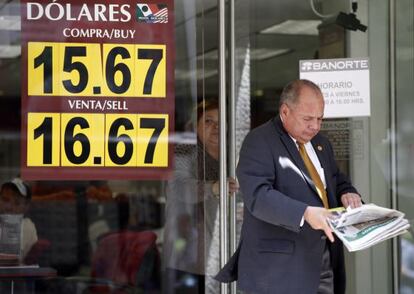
pixel 344 84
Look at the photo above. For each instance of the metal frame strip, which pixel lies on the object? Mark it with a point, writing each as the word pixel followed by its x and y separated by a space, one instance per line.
pixel 393 127
pixel 232 135
pixel 223 140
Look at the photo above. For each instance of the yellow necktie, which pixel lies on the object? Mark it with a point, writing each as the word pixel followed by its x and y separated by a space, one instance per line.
pixel 314 175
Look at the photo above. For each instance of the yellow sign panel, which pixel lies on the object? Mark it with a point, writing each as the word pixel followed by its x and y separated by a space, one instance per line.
pixel 119 69
pixel 150 71
pixel 43 141
pixel 121 147
pixel 78 69
pixel 153 140
pixel 43 72
pixel 83 139
pixel 92 140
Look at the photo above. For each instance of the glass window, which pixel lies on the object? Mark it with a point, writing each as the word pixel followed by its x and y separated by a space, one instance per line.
pixel 404 138
pixel 135 228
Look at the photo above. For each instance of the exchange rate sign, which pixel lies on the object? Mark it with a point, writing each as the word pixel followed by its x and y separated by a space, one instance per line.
pixel 97 89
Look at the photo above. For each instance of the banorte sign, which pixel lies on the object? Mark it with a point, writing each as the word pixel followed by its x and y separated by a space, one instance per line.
pixel 334 65
pixel 344 84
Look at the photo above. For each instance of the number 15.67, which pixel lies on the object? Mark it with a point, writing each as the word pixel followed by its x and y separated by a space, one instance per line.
pixel 89 70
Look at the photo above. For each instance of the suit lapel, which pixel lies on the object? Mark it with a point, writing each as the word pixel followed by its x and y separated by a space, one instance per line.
pixel 294 154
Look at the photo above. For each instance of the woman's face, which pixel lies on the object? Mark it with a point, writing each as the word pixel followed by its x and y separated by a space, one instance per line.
pixel 11 202
pixel 208 130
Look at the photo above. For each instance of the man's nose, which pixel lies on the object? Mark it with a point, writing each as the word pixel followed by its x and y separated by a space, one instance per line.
pixel 314 125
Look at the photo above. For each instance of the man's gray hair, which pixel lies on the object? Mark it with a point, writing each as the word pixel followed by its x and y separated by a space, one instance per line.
pixel 291 91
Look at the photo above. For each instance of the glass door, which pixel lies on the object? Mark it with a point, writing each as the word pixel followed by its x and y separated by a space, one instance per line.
pixel 191 241
pixel 269 40
pixel 404 89
pixel 270 37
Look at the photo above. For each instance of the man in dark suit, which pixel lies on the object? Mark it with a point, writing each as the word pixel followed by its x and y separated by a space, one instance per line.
pixel 289 178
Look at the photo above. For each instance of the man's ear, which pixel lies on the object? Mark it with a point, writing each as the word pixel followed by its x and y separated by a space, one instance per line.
pixel 283 110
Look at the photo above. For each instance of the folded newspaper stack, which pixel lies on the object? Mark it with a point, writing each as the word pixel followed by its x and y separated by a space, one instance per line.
pixel 365 226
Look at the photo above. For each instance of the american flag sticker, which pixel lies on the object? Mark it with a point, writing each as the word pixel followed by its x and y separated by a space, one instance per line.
pixel 152 13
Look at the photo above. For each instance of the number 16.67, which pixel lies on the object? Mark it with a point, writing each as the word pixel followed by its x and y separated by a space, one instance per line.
pixel 97 140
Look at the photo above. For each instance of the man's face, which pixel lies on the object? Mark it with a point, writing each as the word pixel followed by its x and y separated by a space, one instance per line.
pixel 303 119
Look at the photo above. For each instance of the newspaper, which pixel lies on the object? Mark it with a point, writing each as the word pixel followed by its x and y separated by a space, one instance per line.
pixel 365 226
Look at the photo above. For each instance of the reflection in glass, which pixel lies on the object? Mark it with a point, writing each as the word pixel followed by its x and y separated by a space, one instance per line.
pixel 191 231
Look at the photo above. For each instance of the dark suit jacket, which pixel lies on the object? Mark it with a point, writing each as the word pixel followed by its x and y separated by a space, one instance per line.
pixel 275 254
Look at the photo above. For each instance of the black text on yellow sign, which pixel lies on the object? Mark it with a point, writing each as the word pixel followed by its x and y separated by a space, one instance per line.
pixel 79 69
pixel 90 139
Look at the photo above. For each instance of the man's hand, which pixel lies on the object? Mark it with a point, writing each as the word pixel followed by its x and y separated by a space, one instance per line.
pixel 351 199
pixel 316 217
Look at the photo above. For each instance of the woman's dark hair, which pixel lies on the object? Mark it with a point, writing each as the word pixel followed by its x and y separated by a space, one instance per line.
pixel 206 105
